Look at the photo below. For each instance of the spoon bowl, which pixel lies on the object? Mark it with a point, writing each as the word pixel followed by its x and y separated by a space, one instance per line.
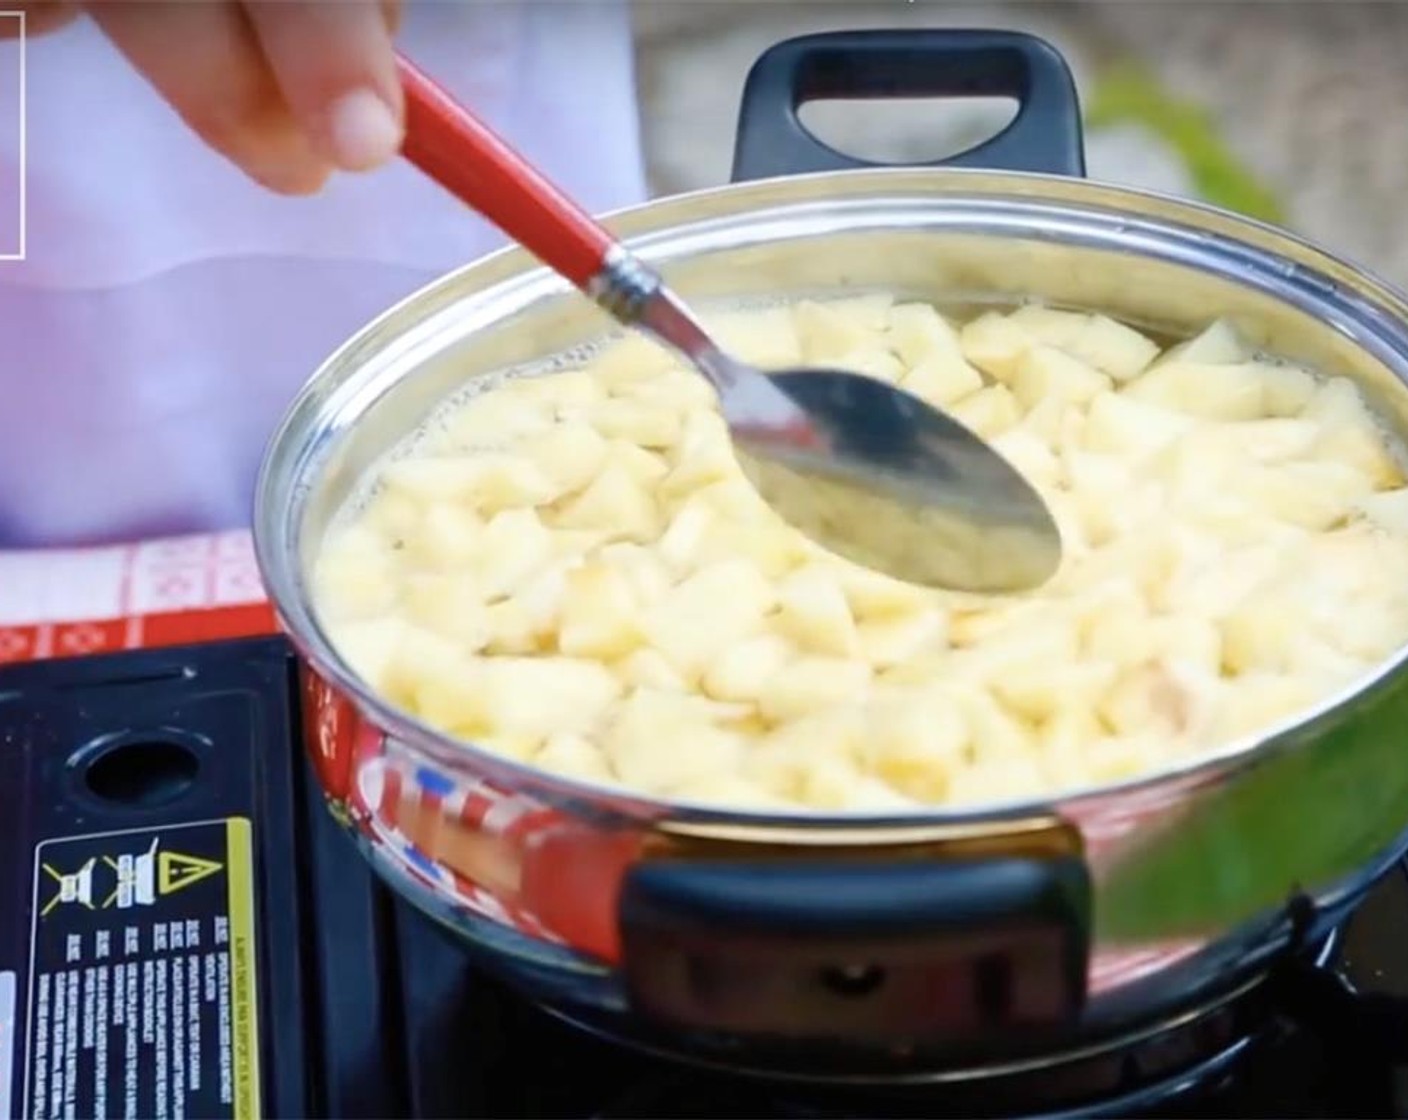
pixel 902 488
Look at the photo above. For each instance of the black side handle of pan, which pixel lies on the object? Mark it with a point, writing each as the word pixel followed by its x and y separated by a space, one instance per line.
pixel 860 949
pixel 1045 135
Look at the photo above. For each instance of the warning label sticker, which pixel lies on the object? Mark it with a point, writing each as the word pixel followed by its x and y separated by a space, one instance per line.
pixel 142 984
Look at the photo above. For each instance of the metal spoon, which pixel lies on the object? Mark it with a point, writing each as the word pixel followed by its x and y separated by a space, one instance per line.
pixel 867 470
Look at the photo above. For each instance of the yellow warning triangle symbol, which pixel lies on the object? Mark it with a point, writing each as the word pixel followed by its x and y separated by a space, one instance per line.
pixel 175 870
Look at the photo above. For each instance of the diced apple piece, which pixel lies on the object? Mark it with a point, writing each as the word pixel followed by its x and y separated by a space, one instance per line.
pixel 832 731
pixel 1045 372
pixel 1286 389
pixel 438 681
pixel 677 390
pixel 658 741
pixel 1363 446
pixel 451 605
pixel 1119 424
pixel 703 456
pixel 735 498
pixel 837 786
pixel 512 628
pixel 1314 496
pixel 574 756
pixel 515 546
pixel 1329 667
pixel 1259 701
pixel 1270 441
pixel 1049 640
pixel 774 549
pixel 1207 392
pixel 1218 345
pixel 810 683
pixel 995 344
pixel 648 575
pixel 1210 590
pixel 1037 693
pixel 542 596
pixel 1030 455
pixel 632 357
pixel 915 746
pixel 713 609
pixel 1064 740
pixel 1112 348
pixel 873 594
pixel 1159 696
pixel 918 332
pixel 492 419
pixel 542 696
pixel 368 645
pixel 741 672
pixel 614 502
pixel 989 412
pixel 649 668
pixel 1099 485
pixel 942 381
pixel 766 337
pixel 570 454
pixel 683 540
pixel 448 536
pixel 636 421
pixel 1337 400
pixel 825 330
pixel 1196 468
pixel 1367 632
pixel 1049 326
pixel 489 481
pixel 814 613
pixel 354 575
pixel 1188 641
pixel 782 760
pixel 891 640
pixel 648 468
pixel 600 615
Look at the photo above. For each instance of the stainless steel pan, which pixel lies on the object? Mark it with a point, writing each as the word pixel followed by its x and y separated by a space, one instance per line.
pixel 935 945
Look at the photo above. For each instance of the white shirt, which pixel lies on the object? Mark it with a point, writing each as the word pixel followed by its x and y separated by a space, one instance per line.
pixel 168 309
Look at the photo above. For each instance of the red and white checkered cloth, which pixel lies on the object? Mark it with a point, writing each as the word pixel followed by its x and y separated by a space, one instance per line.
pixel 65 602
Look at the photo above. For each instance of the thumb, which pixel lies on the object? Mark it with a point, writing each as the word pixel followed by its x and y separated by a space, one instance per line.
pixel 335 66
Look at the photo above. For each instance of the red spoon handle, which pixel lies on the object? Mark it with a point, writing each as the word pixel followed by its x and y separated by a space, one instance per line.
pixel 467 158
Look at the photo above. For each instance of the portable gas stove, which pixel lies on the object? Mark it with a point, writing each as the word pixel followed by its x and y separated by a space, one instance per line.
pixel 185 932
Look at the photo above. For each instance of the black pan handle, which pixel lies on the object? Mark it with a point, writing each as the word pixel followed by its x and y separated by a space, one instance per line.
pixel 1045 135
pixel 851 950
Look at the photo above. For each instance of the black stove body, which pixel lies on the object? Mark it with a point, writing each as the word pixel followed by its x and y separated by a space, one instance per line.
pixel 185 932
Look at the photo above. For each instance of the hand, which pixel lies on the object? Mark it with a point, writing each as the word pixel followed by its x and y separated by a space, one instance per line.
pixel 290 90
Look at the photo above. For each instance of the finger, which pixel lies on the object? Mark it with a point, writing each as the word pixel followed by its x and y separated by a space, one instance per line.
pixel 204 59
pixel 336 69
pixel 40 16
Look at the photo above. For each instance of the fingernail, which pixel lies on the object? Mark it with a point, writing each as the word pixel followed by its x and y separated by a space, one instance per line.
pixel 362 131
